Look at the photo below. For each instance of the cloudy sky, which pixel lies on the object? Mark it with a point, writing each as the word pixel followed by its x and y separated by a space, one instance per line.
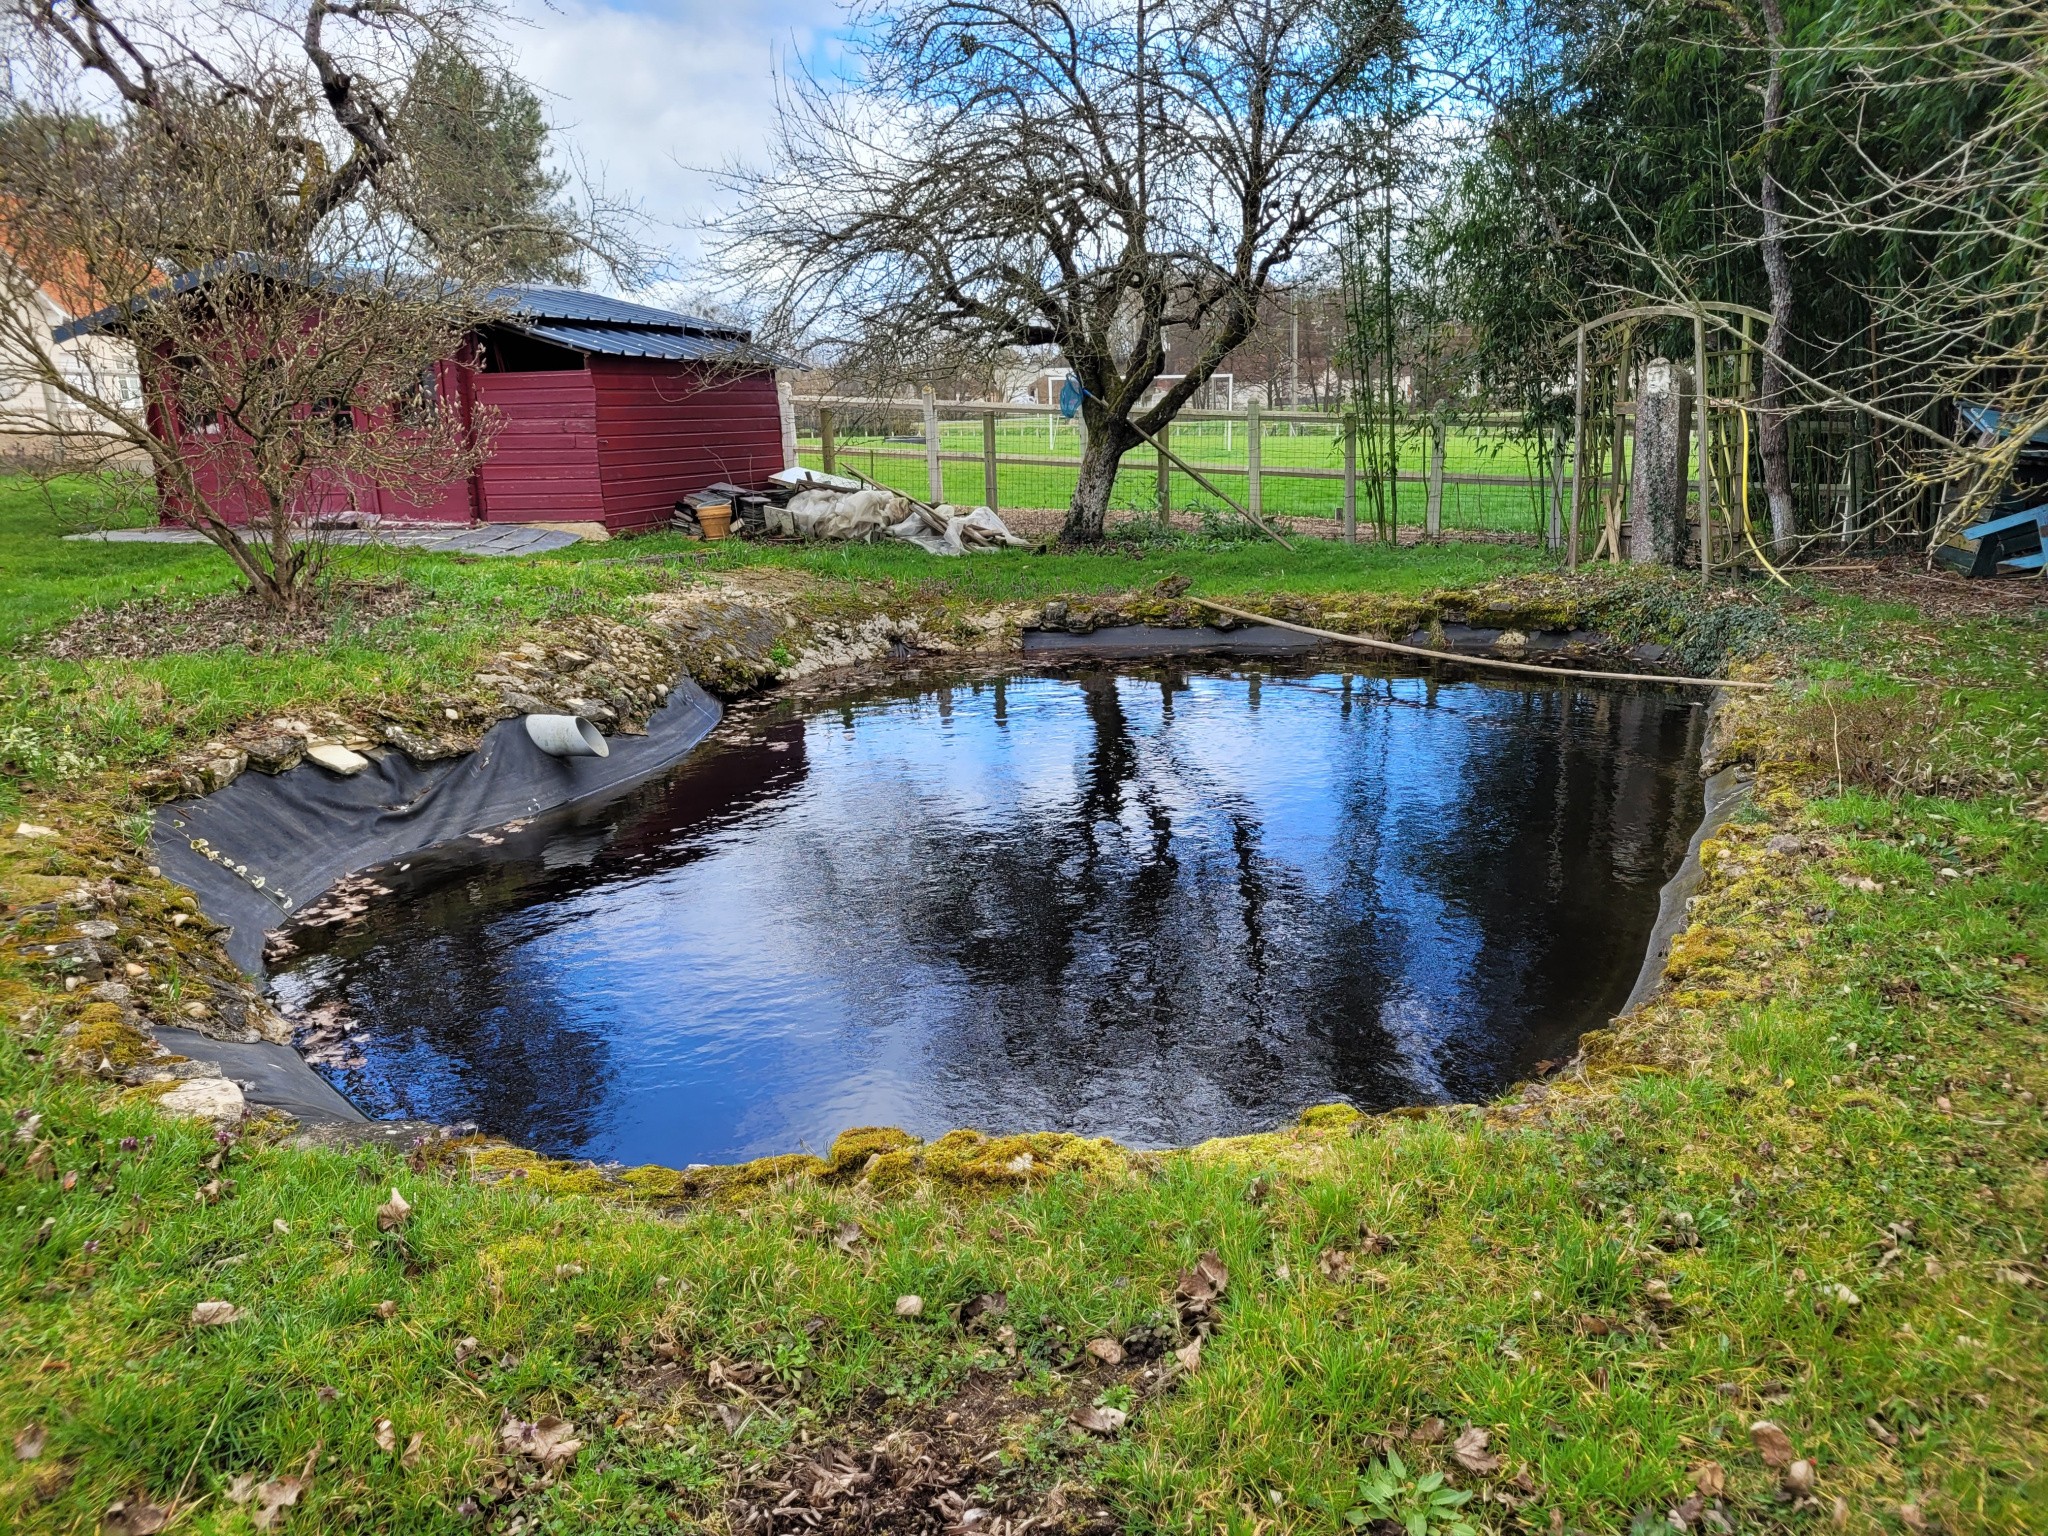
pixel 648 92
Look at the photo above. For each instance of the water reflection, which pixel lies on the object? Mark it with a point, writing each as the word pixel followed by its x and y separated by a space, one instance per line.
pixel 1154 903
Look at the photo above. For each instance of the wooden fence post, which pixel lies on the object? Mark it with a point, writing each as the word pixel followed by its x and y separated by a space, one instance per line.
pixel 825 437
pixel 1254 497
pixel 1165 480
pixel 935 480
pixel 1705 418
pixel 1350 475
pixel 1554 538
pixel 988 459
pixel 1433 507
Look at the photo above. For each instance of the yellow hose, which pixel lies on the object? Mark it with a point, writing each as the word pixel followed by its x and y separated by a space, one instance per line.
pixel 1743 475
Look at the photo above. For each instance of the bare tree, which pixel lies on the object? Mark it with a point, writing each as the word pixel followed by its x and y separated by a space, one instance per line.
pixel 1093 175
pixel 243 197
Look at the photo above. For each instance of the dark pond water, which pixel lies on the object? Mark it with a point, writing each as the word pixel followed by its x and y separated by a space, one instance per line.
pixel 1158 903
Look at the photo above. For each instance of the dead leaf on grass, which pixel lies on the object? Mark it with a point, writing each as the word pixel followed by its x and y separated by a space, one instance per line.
pixel 1709 1478
pixel 1429 1431
pixel 1335 1265
pixel 1101 1420
pixel 28 1445
pixel 1772 1443
pixel 551 1441
pixel 465 1347
pixel 1189 1355
pixel 140 1518
pixel 909 1306
pixel 243 1488
pixel 387 1310
pixel 1911 1517
pixel 274 1498
pixel 1799 1479
pixel 846 1236
pixel 215 1314
pixel 1471 1453
pixel 387 1436
pixel 415 1443
pixel 1108 1351
pixel 392 1213
pixel 1200 1285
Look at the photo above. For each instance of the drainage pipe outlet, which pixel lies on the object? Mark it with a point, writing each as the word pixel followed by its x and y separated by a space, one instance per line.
pixel 566 736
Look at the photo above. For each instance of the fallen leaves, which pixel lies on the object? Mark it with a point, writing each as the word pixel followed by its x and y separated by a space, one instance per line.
pixel 29 1443
pixel 1189 1355
pixel 1200 1287
pixel 274 1498
pixel 140 1518
pixel 551 1441
pixel 215 1314
pixel 910 1305
pixel 1708 1478
pixel 387 1436
pixel 1108 1351
pixel 1772 1443
pixel 1469 1449
pixel 392 1214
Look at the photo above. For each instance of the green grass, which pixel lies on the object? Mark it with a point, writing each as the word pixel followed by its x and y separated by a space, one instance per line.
pixel 1614 1276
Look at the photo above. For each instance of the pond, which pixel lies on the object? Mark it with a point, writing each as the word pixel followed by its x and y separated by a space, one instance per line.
pixel 1158 902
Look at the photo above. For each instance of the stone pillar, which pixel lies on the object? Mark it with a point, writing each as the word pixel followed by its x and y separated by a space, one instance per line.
pixel 1657 484
pixel 785 400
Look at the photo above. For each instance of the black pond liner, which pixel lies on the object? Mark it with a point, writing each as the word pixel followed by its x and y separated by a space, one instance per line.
pixel 1089 889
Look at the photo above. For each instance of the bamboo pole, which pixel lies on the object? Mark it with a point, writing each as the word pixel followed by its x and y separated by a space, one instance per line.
pixel 1165 479
pixel 1478 661
pixel 827 437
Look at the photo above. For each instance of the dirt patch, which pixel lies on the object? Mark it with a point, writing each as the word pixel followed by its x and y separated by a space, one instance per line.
pixel 986 1459
pixel 1938 594
pixel 154 627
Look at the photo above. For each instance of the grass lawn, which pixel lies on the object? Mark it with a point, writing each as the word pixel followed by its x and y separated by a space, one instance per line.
pixel 1774 1258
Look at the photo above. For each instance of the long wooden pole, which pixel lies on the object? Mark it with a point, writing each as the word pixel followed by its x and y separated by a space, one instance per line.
pixel 1578 452
pixel 1477 661
pixel 1699 394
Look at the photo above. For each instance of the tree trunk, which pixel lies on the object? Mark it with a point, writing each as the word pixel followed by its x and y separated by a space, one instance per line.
pixel 1774 437
pixel 1108 442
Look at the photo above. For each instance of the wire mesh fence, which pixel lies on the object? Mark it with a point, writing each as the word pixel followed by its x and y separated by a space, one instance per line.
pixel 1460 477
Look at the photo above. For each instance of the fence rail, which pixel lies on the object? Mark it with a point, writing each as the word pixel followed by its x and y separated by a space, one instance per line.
pixel 1476 475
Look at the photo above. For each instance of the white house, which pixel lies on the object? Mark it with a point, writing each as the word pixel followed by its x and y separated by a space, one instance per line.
pixel 37 419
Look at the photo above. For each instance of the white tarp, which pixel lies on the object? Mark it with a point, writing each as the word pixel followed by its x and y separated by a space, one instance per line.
pixel 865 515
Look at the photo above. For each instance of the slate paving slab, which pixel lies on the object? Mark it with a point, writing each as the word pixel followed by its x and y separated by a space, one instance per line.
pixel 490 539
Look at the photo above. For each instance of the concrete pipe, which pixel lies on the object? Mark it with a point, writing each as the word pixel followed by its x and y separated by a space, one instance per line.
pixel 566 736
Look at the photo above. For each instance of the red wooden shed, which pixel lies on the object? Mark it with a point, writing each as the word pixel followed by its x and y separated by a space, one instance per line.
pixel 604 411
pixel 609 411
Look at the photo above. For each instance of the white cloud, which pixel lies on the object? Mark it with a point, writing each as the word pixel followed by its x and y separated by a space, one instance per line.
pixel 652 96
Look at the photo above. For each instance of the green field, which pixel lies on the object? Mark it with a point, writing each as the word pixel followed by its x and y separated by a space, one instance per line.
pixel 880 451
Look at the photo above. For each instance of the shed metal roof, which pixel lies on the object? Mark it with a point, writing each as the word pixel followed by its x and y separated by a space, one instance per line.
pixel 569 317
pixel 647 341
pixel 542 301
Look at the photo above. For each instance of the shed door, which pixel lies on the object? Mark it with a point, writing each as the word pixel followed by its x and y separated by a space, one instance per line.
pixel 543 462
